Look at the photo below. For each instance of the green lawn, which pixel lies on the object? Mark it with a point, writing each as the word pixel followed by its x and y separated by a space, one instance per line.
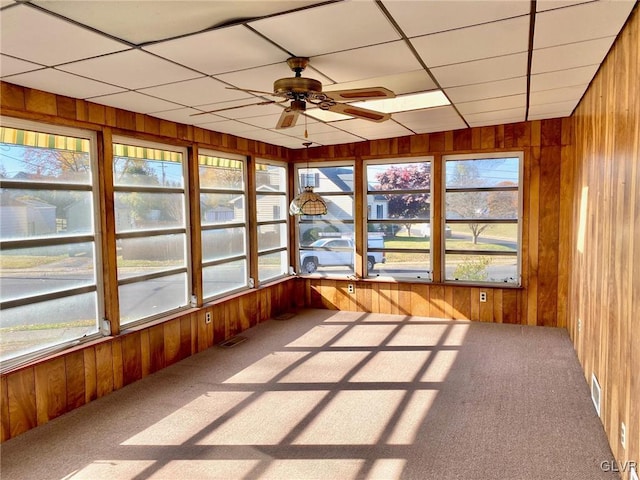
pixel 27 261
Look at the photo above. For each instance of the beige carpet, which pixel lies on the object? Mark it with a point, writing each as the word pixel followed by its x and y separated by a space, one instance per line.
pixel 339 395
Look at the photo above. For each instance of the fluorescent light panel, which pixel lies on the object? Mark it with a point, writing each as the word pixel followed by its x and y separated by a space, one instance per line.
pixel 402 103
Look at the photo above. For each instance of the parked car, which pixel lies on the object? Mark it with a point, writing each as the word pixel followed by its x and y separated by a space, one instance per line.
pixel 329 252
pixel 426 231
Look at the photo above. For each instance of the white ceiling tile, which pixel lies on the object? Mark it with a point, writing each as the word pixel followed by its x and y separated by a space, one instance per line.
pixel 430 120
pixel 587 21
pixel 479 71
pixel 557 95
pixel 496 117
pixel 479 91
pixel 551 110
pixel 232 127
pixel 313 128
pixel 472 43
pixel 262 78
pixel 199 91
pixel 368 62
pixel 373 130
pixel 329 28
pixel 420 18
pixel 542 5
pixel 134 101
pixel 62 83
pixel 244 108
pixel 5 3
pixel 401 83
pixel 145 21
pixel 226 50
pixel 330 138
pixel 265 121
pixel 572 55
pixel 563 78
pixel 35 36
pixel 132 69
pixel 186 116
pixel 11 66
pixel 493 104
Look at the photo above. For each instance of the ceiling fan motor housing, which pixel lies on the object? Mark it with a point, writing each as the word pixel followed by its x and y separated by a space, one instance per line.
pixel 294 85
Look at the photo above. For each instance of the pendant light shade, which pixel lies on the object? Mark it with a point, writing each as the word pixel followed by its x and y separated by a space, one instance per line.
pixel 308 203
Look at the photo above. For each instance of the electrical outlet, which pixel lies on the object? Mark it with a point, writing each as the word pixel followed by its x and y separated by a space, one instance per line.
pixel 623 435
pixel 207 317
pixel 351 288
pixel 633 475
pixel 579 325
pixel 483 296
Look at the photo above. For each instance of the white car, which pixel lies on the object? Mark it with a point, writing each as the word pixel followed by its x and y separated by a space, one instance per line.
pixel 426 231
pixel 329 252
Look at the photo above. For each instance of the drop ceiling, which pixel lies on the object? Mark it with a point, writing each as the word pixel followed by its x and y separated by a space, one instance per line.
pixel 496 61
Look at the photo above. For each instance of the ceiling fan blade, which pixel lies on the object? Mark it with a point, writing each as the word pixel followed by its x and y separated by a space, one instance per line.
pixel 268 102
pixel 288 118
pixel 373 93
pixel 359 112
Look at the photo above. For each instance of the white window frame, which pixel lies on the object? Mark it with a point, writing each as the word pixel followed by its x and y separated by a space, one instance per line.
pixel 95 237
pixel 484 156
pixel 186 230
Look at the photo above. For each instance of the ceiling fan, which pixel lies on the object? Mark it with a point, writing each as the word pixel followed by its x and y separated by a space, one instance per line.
pixel 300 91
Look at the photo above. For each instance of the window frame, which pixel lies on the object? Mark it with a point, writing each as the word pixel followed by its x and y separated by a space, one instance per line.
pixel 284 221
pixel 95 237
pixel 248 281
pixel 185 229
pixel 305 219
pixel 397 161
pixel 495 221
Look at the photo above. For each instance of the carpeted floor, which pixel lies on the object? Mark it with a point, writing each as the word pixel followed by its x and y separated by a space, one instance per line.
pixel 339 395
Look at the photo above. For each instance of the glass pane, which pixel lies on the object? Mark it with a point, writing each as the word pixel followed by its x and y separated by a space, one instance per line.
pixel 146 211
pixel 327 179
pixel 325 254
pixel 483 236
pixel 272 265
pixel 43 157
pixel 142 256
pixel 404 234
pixel 271 207
pixel 339 207
pixel 481 268
pixel 147 167
pixel 272 236
pixel 488 205
pixel 223 173
pixel 226 277
pixel 44 213
pixel 399 176
pixel 312 231
pixel 223 243
pixel 271 178
pixel 397 205
pixel 476 173
pixel 152 297
pixel 25 272
pixel 412 265
pixel 39 325
pixel 216 208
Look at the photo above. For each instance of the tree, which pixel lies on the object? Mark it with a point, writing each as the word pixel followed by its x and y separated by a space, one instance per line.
pixel 468 205
pixel 407 177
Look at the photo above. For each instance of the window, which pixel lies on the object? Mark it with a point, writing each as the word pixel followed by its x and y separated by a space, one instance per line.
pixel 223 218
pixel 48 277
pixel 335 185
pixel 273 232
pixel 482 208
pixel 151 229
pixel 309 180
pixel 399 242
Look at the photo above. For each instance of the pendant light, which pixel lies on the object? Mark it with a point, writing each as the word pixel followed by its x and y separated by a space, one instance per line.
pixel 308 202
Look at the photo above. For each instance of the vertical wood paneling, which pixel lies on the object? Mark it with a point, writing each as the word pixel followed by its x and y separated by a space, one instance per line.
pixel 51 390
pixel 5 432
pixel 132 357
pixel 74 373
pixel 21 387
pixel 104 369
pixel 171 336
pixel 604 276
pixel 90 374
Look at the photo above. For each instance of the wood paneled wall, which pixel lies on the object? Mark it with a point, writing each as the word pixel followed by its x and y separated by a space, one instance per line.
pixel 604 299
pixel 34 394
pixel 547 205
